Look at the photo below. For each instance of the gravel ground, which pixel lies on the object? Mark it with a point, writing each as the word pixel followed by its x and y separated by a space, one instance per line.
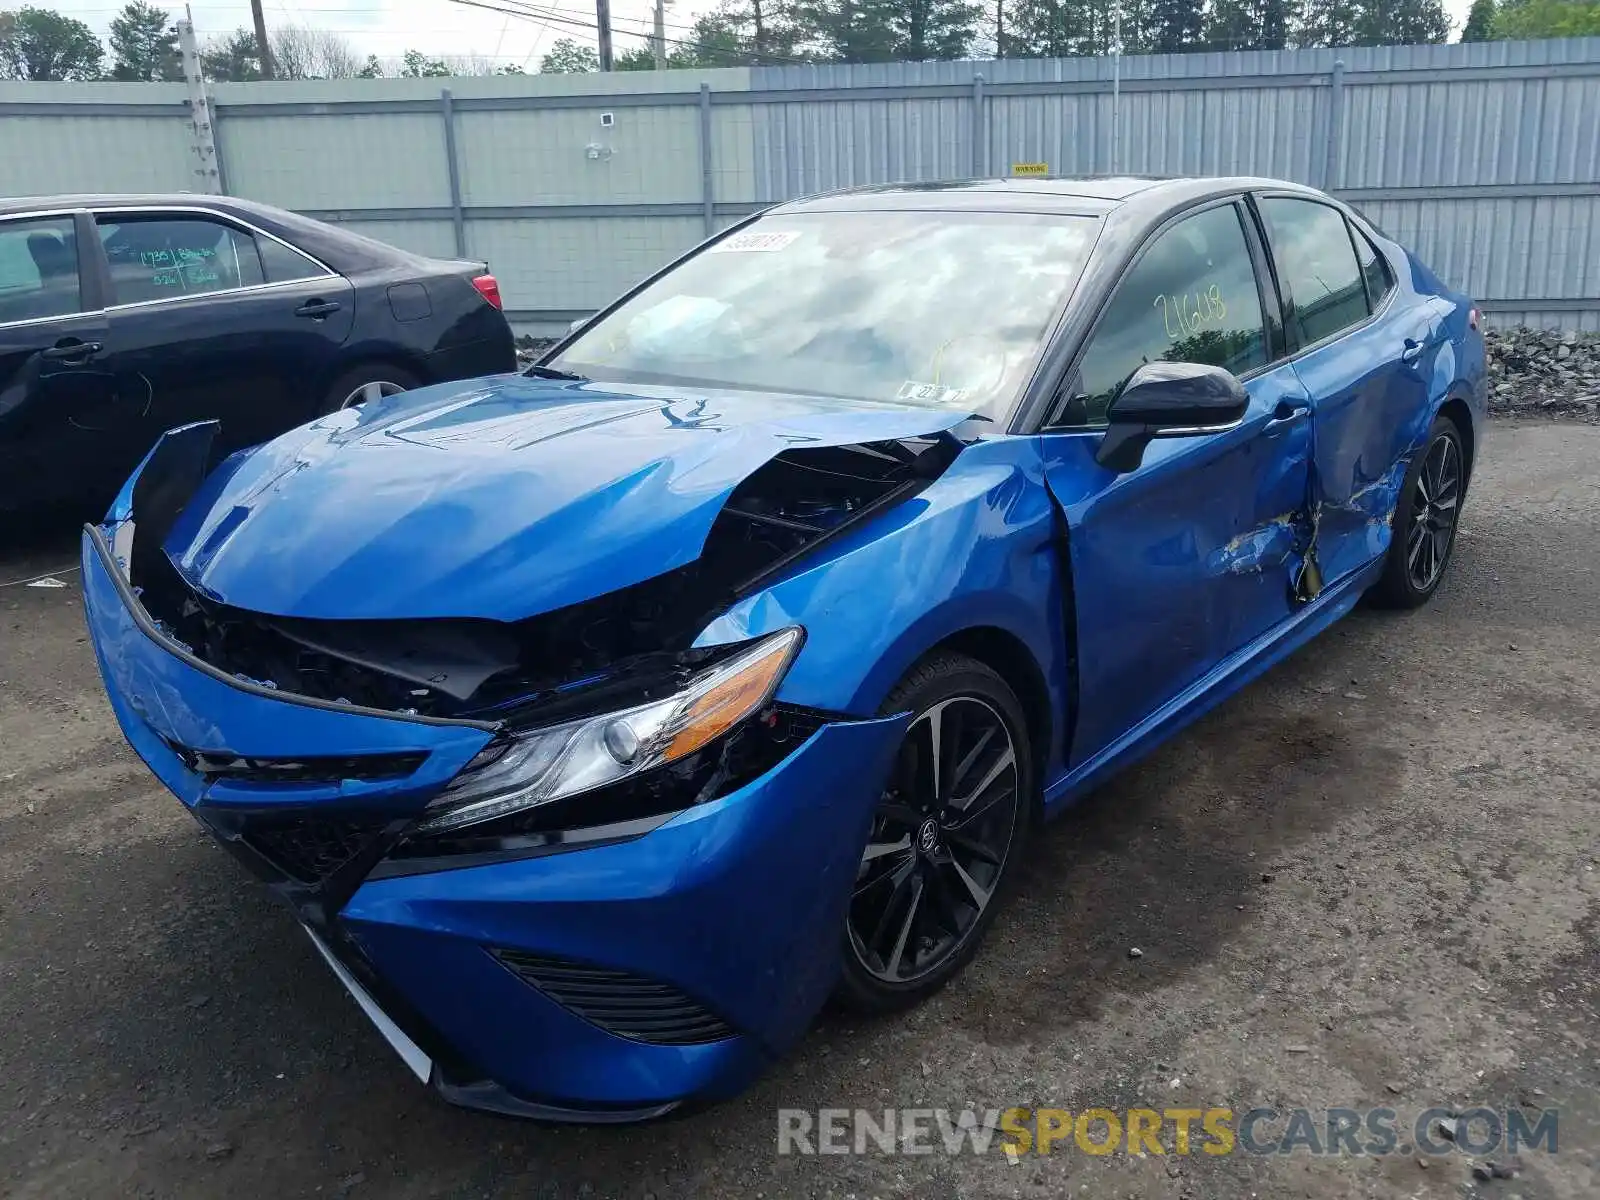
pixel 1373 878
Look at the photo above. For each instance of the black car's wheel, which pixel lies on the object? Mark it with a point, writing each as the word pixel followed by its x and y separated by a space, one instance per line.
pixel 1425 519
pixel 368 381
pixel 952 820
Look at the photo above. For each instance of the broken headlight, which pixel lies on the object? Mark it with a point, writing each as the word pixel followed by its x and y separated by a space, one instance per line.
pixel 546 765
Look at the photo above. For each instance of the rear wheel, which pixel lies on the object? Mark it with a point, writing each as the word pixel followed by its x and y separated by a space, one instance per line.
pixel 367 382
pixel 952 820
pixel 1425 518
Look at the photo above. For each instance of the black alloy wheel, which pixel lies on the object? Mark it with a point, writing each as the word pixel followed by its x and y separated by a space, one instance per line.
pixel 1425 520
pixel 948 825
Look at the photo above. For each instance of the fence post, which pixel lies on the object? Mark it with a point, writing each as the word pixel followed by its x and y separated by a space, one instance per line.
pixel 980 130
pixel 708 199
pixel 458 217
pixel 1330 166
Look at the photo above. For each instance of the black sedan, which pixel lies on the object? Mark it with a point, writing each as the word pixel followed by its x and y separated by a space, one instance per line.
pixel 123 316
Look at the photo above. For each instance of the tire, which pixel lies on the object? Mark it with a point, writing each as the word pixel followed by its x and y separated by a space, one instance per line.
pixel 386 377
pixel 917 892
pixel 1425 520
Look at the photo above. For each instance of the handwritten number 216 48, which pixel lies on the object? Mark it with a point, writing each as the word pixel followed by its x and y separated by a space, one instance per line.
pixel 1183 321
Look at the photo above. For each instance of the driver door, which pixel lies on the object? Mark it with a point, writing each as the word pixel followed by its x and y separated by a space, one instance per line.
pixel 1190 557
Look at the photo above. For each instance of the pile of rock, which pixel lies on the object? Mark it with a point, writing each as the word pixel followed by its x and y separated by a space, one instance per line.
pixel 1535 372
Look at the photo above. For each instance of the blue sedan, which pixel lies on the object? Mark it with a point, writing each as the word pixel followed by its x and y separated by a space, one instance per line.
pixel 600 722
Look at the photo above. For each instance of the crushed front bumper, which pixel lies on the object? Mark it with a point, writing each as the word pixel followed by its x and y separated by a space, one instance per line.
pixel 540 986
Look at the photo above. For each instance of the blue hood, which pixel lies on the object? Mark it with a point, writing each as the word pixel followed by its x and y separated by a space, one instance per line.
pixel 503 498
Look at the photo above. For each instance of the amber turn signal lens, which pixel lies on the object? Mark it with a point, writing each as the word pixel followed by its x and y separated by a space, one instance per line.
pixel 745 685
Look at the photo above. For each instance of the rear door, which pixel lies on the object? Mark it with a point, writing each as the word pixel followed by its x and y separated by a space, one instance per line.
pixel 215 319
pixel 1365 358
pixel 60 415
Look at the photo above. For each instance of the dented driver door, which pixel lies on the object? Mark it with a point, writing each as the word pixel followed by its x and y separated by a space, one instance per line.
pixel 1195 554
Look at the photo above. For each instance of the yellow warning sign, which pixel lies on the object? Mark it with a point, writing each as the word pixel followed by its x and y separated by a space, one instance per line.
pixel 1030 168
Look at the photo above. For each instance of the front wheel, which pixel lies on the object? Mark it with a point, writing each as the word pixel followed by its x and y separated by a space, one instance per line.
pixel 1425 518
pixel 948 828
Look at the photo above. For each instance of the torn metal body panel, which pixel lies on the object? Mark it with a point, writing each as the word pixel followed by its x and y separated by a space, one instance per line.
pixel 499 502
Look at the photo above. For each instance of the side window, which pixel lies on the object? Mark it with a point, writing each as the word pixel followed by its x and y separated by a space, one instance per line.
pixel 1192 297
pixel 160 257
pixel 38 269
pixel 1374 269
pixel 1317 263
pixel 284 263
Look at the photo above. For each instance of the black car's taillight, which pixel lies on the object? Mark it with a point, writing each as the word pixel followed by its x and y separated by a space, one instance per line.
pixel 489 288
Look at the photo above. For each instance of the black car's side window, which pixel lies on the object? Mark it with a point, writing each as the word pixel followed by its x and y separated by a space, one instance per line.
pixel 1191 297
pixel 166 257
pixel 38 269
pixel 1374 269
pixel 285 263
pixel 1317 264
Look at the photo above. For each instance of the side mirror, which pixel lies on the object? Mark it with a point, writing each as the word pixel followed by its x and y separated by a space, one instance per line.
pixel 1168 399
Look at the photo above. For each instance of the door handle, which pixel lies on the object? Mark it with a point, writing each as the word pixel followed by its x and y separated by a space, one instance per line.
pixel 1283 416
pixel 1413 350
pixel 317 309
pixel 71 351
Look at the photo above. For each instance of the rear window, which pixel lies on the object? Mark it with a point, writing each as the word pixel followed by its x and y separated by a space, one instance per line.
pixel 163 258
pixel 38 269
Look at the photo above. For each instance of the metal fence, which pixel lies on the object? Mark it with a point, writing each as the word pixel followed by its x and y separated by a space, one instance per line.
pixel 1485 158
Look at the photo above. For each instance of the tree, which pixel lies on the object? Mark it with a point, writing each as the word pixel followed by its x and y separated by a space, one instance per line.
pixel 144 45
pixel 640 58
pixel 569 57
pixel 416 65
pixel 1175 26
pixel 1068 28
pixel 301 52
pixel 1480 22
pixel 1247 25
pixel 1331 23
pixel 39 45
pixel 1406 23
pixel 859 31
pixel 1547 19
pixel 232 59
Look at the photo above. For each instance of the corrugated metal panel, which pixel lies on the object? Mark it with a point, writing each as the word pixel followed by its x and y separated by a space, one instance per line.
pixel 822 145
pixel 577 263
pixel 40 155
pixel 367 161
pixel 433 238
pixel 1543 248
pixel 647 155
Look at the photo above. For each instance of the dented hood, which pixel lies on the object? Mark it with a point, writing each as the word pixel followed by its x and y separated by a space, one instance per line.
pixel 499 499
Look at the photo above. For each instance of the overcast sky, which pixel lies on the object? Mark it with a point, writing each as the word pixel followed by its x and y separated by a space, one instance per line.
pixel 388 28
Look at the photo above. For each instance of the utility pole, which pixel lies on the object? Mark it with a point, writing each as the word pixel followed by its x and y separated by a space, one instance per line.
pixel 263 51
pixel 1116 83
pixel 602 13
pixel 658 43
pixel 205 144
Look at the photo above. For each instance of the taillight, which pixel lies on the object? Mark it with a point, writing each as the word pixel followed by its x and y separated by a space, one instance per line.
pixel 1472 316
pixel 489 288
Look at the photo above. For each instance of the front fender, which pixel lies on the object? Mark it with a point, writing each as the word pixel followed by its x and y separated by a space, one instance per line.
pixel 974 550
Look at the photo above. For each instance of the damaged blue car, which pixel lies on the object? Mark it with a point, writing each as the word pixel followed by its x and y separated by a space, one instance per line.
pixel 600 722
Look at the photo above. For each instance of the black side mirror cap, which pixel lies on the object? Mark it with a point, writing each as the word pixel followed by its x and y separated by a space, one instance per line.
pixel 1168 399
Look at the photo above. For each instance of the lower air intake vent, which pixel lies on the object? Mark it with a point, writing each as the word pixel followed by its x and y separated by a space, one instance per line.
pixel 628 1005
pixel 310 848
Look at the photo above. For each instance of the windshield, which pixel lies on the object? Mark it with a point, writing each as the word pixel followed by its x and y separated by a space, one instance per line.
pixel 934 308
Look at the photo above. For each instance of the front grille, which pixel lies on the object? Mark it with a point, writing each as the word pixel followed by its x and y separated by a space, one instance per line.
pixel 309 847
pixel 317 769
pixel 620 1002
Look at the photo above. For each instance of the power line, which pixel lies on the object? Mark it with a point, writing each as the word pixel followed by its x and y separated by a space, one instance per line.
pixel 591 26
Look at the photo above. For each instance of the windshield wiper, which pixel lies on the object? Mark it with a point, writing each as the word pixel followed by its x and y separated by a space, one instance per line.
pixel 542 372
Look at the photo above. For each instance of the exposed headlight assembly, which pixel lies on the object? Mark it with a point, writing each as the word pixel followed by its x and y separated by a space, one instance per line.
pixel 551 764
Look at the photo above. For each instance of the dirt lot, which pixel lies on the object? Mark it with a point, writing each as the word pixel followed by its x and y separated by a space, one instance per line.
pixel 1372 879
